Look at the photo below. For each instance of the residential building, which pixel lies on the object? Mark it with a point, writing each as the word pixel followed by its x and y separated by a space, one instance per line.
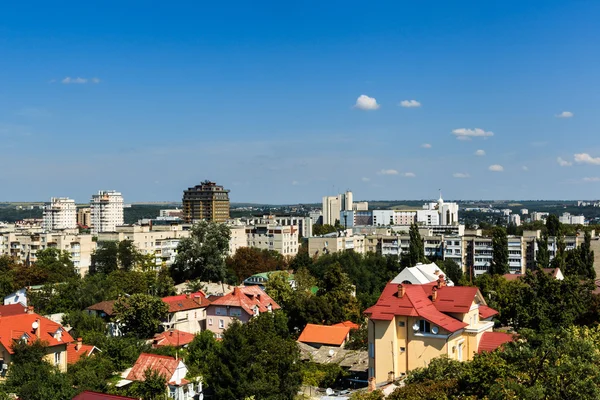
pixel 172 338
pixel 173 369
pixel 454 250
pixel 569 219
pixel 238 238
pixel 24 246
pixel 524 211
pixel 241 304
pixel 514 219
pixel 323 335
pixel 187 312
pixel 282 239
pixel 60 214
pixel 84 217
pixel 171 213
pixel 105 310
pixel 421 274
pixel 538 216
pixel 412 324
pixel 207 201
pixel 17 297
pixel 333 205
pixel 76 350
pixel 480 253
pixel 334 242
pixel 107 211
pixel 262 278
pixel 303 223
pixel 28 327
pixel 556 273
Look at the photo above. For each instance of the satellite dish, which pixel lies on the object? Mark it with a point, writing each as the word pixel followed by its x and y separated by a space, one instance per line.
pixel 331 353
pixel 415 327
pixel 35 325
pixel 435 330
pixel 329 391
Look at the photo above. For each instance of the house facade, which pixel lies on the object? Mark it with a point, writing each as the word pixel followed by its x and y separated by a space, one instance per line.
pixel 187 312
pixel 412 324
pixel 242 304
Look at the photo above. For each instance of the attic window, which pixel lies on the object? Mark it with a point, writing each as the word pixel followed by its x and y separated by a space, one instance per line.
pixel 24 338
pixel 424 326
pixel 58 335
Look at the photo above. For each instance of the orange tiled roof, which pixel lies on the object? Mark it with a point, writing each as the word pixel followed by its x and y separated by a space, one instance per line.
pixel 164 365
pixel 247 298
pixel 73 355
pixel 323 334
pixel 172 337
pixel 16 327
pixel 185 302
pixel 490 341
pixel 486 312
pixel 348 324
pixel 12 309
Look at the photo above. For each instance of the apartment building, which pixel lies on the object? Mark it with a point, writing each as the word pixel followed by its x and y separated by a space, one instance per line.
pixel 161 240
pixel 207 201
pixel 24 246
pixel 84 217
pixel 569 219
pixel 333 243
pixel 60 214
pixel 479 254
pixel 333 205
pixel 304 223
pixel 106 211
pixel 282 239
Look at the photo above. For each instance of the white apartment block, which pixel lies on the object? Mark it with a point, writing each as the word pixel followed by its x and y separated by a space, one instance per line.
pixel 304 223
pixel 107 211
pixel 24 247
pixel 333 243
pixel 60 214
pixel 279 238
pixel 514 219
pixel 332 205
pixel 159 240
pixel 238 238
pixel 569 219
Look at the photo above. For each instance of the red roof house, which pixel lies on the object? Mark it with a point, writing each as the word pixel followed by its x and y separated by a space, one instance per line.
pixel 88 395
pixel 323 335
pixel 77 349
pixel 490 341
pixel 172 337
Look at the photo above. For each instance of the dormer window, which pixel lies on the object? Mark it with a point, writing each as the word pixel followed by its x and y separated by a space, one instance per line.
pixel 24 338
pixel 424 326
pixel 269 307
pixel 256 311
pixel 58 335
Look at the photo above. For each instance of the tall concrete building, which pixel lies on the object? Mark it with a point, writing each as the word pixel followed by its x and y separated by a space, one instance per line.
pixel 84 217
pixel 107 211
pixel 333 205
pixel 207 201
pixel 60 214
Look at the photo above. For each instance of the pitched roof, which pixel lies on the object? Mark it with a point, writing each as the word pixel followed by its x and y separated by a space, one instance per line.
pixel 512 277
pixel 183 303
pixel 323 334
pixel 183 296
pixel 420 274
pixel 247 298
pixel 15 327
pixel 490 341
pixel 417 302
pixel 164 365
pixel 88 395
pixel 348 324
pixel 486 312
pixel 105 306
pixel 12 309
pixel 172 337
pixel 73 354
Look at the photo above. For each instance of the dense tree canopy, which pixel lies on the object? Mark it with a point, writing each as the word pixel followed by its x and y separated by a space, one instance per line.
pixel 248 261
pixel 499 264
pixel 140 314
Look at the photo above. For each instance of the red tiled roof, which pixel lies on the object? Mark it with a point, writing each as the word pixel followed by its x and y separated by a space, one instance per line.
pixel 16 326
pixel 105 306
pixel 247 298
pixel 183 296
pixel 486 312
pixel 87 395
pixel 348 324
pixel 172 337
pixel 187 304
pixel 490 341
pixel 417 302
pixel 73 355
pixel 323 334
pixel 512 277
pixel 164 365
pixel 12 309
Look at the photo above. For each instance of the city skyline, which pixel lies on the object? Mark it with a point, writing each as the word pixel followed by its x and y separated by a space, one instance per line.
pixel 284 104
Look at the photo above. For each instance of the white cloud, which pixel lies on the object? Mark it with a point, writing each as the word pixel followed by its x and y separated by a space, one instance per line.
pixel 480 153
pixel 388 172
pixel 365 179
pixel 460 175
pixel 426 145
pixel 525 168
pixel 365 102
pixel 496 168
pixel 565 114
pixel 585 158
pixel 409 174
pixel 78 80
pixel 467 134
pixel 591 179
pixel 563 163
pixel 410 103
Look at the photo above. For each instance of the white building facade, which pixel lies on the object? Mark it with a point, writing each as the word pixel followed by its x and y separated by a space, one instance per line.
pixel 107 211
pixel 60 214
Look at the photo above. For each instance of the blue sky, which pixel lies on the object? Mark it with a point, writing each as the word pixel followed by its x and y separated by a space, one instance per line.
pixel 265 98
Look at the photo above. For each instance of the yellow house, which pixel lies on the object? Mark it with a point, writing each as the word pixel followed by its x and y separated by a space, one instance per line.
pixel 412 324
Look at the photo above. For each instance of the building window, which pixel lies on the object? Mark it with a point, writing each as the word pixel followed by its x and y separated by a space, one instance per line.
pixel 210 321
pixel 424 326
pixel 401 324
pixel 221 324
pixel 57 359
pixel 402 349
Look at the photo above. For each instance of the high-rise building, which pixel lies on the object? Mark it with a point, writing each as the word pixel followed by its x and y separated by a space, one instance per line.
pixel 84 217
pixel 107 211
pixel 333 205
pixel 207 201
pixel 60 214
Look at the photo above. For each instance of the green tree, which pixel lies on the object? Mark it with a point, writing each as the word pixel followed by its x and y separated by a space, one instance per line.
pixel 81 323
pixel 106 258
pixel 92 373
pixel 199 352
pixel 127 255
pixel 452 270
pixel 202 255
pixel 416 249
pixel 140 314
pixel 56 264
pixel 542 258
pixel 553 226
pixel 160 282
pixel 500 252
pixel 278 287
pixel 248 261
pixel 319 229
pixel 153 387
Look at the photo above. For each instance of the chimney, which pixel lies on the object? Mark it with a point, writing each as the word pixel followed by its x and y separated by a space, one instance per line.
pixel 39 328
pixel 30 310
pixel 441 282
pixel 372 385
pixel 170 333
pixel 434 293
pixel 234 290
pixel 401 291
pixel 79 344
